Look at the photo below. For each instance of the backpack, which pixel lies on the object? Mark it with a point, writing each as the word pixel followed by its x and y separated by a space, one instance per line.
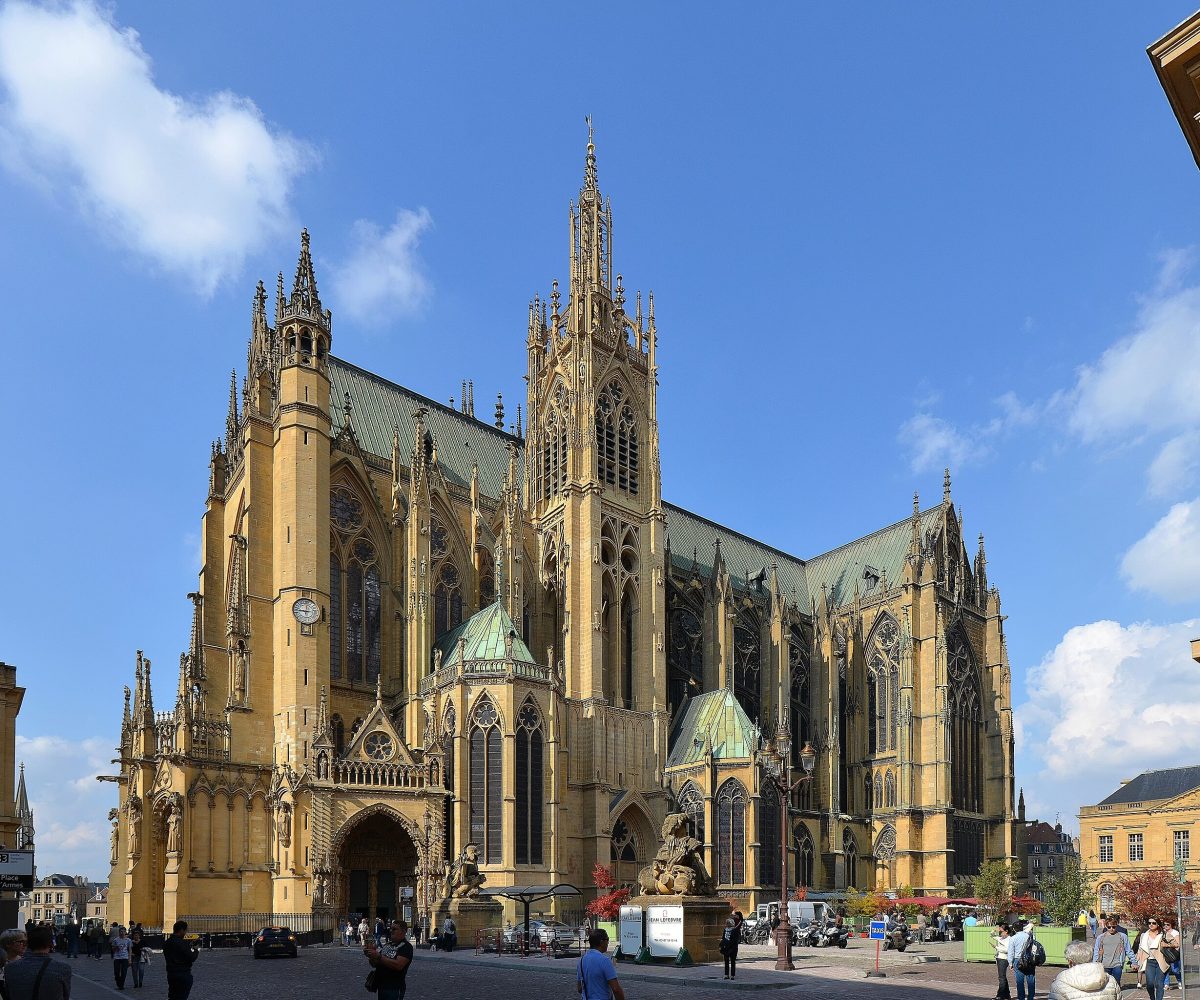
pixel 1032 955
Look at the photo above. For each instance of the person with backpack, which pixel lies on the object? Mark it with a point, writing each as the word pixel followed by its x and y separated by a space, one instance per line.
pixel 596 976
pixel 1023 953
pixel 728 947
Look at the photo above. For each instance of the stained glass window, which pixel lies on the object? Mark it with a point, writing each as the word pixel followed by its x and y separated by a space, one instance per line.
pixel 486 781
pixel 768 836
pixel 966 725
pixel 529 785
pixel 345 510
pixel 355 593
pixel 623 844
pixel 746 664
pixel 731 833
pixel 335 617
pixel 883 685
pixel 685 652
pixel 447 599
pixel 691 802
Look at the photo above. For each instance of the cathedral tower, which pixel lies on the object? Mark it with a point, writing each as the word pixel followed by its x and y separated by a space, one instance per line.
pixel 594 491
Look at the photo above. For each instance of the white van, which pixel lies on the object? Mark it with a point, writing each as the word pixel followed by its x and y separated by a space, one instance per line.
pixel 806 912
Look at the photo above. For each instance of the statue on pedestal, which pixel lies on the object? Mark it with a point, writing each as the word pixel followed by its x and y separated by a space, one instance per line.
pixel 678 868
pixel 464 878
pixel 175 827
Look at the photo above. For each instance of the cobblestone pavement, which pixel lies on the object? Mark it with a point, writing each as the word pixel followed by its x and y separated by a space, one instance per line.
pixel 334 973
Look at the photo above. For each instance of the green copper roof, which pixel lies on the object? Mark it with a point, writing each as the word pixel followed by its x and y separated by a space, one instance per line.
pixel 717 716
pixel 484 633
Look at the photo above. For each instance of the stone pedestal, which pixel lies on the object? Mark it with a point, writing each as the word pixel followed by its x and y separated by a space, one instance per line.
pixel 703 922
pixel 469 916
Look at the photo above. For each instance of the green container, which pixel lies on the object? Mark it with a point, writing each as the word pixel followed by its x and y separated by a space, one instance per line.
pixel 614 939
pixel 977 944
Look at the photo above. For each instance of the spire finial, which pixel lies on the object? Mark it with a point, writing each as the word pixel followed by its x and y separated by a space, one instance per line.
pixel 589 177
pixel 379 689
pixel 946 486
pixel 500 411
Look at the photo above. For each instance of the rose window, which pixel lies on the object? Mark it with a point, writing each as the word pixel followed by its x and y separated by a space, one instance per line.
pixel 378 746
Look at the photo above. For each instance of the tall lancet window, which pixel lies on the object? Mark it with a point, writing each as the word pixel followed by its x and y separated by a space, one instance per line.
pixel 355 592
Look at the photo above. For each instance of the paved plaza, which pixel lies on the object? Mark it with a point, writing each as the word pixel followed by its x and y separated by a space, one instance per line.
pixel 335 972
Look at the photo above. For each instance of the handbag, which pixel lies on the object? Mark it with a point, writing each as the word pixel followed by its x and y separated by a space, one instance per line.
pixel 371 982
pixel 1170 955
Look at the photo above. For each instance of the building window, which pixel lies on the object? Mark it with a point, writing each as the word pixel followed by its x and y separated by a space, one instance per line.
pixel 448 780
pixel 447 594
pixel 768 829
pixel 801 716
pixel 850 853
pixel 486 788
pixel 554 446
pixel 805 867
pixel 1050 864
pixel 889 790
pixel 529 785
pixel 1183 845
pixel 966 726
pixel 37 914
pixel 746 663
pixel 37 897
pixel 1135 847
pixel 883 685
pixel 622 846
pixel 59 898
pixel 691 802
pixel 1106 848
pixel 1037 864
pixel 355 592
pixel 616 440
pixel 685 651
pixel 1108 897
pixel 731 833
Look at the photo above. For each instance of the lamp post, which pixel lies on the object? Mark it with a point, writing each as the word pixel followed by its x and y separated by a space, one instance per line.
pixel 777 758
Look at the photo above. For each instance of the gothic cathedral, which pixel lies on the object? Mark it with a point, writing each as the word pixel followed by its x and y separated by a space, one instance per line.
pixel 416 630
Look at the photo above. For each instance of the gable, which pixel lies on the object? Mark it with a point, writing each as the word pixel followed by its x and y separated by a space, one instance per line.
pixel 378 741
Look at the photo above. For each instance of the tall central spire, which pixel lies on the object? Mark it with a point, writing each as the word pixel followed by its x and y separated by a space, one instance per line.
pixel 589 171
pixel 591 232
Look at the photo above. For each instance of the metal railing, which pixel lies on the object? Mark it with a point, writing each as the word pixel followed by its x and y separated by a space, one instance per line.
pixel 237 930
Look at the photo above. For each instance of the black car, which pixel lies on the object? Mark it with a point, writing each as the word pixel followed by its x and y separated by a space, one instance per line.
pixel 275 941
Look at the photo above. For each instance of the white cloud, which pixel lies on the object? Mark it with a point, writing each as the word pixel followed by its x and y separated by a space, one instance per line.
pixel 383 276
pixel 1108 702
pixel 192 185
pixel 1166 560
pixel 69 805
pixel 1175 466
pixel 934 443
pixel 1150 380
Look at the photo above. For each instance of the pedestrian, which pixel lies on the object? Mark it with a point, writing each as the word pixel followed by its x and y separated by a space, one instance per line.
pixel 138 957
pixel 1000 942
pixel 1093 924
pixel 379 931
pixel 922 926
pixel 731 937
pixel 1083 979
pixel 1026 984
pixel 942 926
pixel 1172 942
pixel 595 977
pixel 120 954
pixel 391 961
pixel 364 929
pixel 179 954
pixel 12 947
pixel 1150 958
pixel 971 920
pixel 1111 949
pixel 72 939
pixel 37 974
pixel 450 933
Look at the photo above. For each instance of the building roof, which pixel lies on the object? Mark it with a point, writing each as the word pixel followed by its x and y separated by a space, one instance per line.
pixel 1151 786
pixel 714 717
pixel 1040 832
pixel 484 635
pixel 58 880
pixel 378 405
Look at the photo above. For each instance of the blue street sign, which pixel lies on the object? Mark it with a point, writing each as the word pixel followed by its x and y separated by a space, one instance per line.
pixel 878 930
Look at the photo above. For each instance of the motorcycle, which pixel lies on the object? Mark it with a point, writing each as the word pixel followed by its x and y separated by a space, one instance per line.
pixel 807 935
pixel 833 936
pixel 897 938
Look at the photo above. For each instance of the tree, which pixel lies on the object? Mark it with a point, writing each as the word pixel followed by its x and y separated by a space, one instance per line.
pixel 1066 893
pixel 963 888
pixel 864 904
pixel 994 889
pixel 606 906
pixel 1150 893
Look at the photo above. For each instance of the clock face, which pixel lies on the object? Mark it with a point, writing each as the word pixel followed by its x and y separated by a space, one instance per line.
pixel 306 611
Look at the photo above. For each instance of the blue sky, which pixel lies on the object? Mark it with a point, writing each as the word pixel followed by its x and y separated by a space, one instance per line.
pixel 882 239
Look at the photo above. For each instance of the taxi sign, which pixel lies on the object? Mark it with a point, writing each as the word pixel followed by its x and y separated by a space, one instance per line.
pixel 16 871
pixel 878 930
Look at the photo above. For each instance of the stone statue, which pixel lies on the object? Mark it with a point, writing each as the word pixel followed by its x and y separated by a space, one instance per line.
pixel 240 656
pixel 113 837
pixel 437 660
pixel 508 644
pixel 464 878
pixel 175 828
pixel 134 807
pixel 283 824
pixel 319 888
pixel 678 868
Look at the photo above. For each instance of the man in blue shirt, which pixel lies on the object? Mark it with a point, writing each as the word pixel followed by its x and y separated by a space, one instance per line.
pixel 1025 980
pixel 596 978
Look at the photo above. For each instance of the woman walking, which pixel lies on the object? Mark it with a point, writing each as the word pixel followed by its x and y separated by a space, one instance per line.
pixel 1150 959
pixel 1000 941
pixel 120 954
pixel 1172 941
pixel 730 939
pixel 137 957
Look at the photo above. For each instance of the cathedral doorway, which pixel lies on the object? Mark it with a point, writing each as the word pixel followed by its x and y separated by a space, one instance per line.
pixel 378 866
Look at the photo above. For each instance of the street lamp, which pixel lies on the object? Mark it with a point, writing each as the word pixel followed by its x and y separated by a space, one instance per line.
pixel 777 759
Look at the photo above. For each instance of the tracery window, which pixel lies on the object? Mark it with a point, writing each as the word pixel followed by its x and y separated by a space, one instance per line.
pixel 731 833
pixel 805 861
pixel 966 725
pixel 554 445
pixel 685 652
pixel 883 685
pixel 487 579
pixel 616 440
pixel 768 836
pixel 691 802
pixel 889 790
pixel 529 785
pixel 338 731
pixel 355 592
pixel 447 588
pixel 486 780
pixel 879 790
pixel 850 854
pixel 868 793
pixel 623 845
pixel 747 655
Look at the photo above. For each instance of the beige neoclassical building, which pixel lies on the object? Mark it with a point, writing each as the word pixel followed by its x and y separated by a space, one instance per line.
pixel 416 628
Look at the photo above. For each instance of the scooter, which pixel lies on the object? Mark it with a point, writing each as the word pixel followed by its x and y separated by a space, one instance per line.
pixel 807 935
pixel 897 938
pixel 833 936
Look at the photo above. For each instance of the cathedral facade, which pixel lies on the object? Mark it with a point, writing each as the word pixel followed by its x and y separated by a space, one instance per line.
pixel 416 631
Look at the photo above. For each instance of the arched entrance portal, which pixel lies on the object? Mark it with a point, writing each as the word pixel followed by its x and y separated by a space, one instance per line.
pixel 378 867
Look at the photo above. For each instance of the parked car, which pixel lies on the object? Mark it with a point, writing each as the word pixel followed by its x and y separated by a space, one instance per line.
pixel 552 933
pixel 275 941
